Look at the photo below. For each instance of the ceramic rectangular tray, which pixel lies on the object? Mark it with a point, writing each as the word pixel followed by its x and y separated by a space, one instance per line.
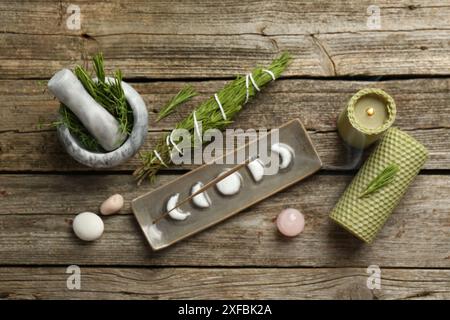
pixel 167 231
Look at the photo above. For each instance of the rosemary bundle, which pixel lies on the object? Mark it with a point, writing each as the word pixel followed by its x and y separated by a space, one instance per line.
pixel 109 95
pixel 382 179
pixel 216 112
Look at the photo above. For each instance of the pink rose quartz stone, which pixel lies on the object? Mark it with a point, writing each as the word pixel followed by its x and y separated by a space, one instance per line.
pixel 290 222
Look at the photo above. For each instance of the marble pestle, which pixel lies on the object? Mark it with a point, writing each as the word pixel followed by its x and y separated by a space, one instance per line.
pixel 96 119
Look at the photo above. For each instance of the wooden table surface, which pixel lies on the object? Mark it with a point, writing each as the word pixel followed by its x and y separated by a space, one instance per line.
pixel 160 46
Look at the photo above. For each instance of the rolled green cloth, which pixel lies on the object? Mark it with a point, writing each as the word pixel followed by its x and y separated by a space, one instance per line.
pixel 364 216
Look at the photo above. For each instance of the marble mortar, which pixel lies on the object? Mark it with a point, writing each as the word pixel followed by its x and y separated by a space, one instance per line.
pixel 128 149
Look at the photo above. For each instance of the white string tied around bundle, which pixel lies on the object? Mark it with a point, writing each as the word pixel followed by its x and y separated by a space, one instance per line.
pixel 169 141
pixel 269 72
pixel 224 116
pixel 247 84
pixel 159 158
pixel 197 129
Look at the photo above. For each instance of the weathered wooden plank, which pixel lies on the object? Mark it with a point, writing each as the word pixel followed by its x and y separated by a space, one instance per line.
pixel 228 17
pixel 229 283
pixel 423 110
pixel 41 151
pixel 422 103
pixel 206 39
pixel 37 209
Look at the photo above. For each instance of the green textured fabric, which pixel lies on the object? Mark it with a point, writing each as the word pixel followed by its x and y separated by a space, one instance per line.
pixel 364 217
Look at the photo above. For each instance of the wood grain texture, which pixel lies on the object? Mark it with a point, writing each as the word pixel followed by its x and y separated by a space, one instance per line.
pixel 159 45
pixel 36 213
pixel 155 39
pixel 423 110
pixel 422 103
pixel 217 283
pixel 41 152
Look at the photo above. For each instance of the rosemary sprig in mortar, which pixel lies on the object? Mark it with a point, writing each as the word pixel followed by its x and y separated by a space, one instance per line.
pixel 382 179
pixel 232 98
pixel 109 95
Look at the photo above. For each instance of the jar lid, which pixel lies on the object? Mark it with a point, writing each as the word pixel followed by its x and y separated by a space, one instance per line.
pixel 390 108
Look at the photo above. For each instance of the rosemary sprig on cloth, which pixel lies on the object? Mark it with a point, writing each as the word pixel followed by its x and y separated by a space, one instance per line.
pixel 382 179
pixel 216 112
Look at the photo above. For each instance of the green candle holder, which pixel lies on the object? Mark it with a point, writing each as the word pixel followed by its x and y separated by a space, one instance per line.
pixel 369 113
